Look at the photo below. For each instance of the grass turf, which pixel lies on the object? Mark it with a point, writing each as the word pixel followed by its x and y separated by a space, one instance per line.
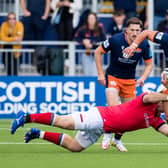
pixel 147 149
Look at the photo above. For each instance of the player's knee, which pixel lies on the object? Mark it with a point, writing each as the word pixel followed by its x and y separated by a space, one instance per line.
pixel 73 148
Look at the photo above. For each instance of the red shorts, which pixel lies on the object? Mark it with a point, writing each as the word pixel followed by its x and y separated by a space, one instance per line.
pixel 126 87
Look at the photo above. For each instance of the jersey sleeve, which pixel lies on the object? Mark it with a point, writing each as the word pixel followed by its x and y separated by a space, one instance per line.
pixel 157 123
pixel 107 45
pixel 161 38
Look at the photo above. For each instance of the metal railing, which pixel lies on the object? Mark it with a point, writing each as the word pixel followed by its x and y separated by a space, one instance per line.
pixel 27 54
pixel 72 58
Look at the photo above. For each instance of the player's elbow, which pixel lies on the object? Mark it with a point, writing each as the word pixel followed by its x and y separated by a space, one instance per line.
pixel 166 133
pixel 98 52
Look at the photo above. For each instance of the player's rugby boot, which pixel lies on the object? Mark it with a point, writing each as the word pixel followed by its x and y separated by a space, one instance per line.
pixel 33 133
pixel 17 122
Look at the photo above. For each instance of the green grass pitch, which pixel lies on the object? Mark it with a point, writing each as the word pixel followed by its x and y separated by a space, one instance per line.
pixel 147 149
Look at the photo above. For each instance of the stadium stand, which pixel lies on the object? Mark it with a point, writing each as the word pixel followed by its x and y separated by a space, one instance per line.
pixel 27 68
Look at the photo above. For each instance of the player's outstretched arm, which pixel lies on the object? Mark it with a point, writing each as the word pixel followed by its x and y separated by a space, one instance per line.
pixel 146 34
pixel 155 98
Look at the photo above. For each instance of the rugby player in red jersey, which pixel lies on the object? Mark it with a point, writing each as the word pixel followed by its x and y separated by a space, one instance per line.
pixel 141 112
pixel 119 78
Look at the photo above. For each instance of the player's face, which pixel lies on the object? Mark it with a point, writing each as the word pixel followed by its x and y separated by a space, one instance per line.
pixel 133 31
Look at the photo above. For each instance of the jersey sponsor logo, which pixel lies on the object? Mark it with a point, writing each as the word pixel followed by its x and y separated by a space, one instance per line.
pixel 126 60
pixel 106 44
pixel 159 35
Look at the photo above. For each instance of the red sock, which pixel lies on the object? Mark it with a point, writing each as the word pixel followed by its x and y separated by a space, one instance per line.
pixel 43 118
pixel 53 137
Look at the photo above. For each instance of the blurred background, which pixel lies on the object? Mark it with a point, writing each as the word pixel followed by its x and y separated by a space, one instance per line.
pixel 44 63
pixel 61 51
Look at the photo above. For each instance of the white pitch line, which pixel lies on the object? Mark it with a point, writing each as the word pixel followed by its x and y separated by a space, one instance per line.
pixel 22 143
pixel 126 143
pixel 146 143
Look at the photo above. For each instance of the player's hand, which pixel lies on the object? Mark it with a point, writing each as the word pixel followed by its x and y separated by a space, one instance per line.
pixel 140 82
pixel 59 4
pixel 164 79
pixel 26 13
pixel 129 51
pixel 44 17
pixel 66 3
pixel 102 80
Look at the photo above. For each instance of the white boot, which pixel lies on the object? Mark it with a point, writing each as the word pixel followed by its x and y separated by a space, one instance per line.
pixel 119 145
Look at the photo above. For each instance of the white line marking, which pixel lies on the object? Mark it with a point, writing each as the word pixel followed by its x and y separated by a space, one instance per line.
pixel 132 144
pixel 126 143
pixel 22 143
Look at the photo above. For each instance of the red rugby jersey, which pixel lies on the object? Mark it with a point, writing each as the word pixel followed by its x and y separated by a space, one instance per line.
pixel 130 116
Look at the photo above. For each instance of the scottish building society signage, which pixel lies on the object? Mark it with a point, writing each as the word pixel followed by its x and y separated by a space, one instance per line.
pixel 62 95
pixel 49 94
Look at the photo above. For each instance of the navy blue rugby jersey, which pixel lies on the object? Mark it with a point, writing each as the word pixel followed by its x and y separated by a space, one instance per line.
pixel 120 67
pixel 162 39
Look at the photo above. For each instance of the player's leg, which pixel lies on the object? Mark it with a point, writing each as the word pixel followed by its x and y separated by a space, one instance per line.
pixel 60 139
pixel 127 93
pixel 75 121
pixel 112 97
pixel 116 142
pixel 91 122
pixel 22 118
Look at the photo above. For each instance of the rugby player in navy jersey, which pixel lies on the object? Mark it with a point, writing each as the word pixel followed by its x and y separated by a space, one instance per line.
pixel 119 78
pixel 154 36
